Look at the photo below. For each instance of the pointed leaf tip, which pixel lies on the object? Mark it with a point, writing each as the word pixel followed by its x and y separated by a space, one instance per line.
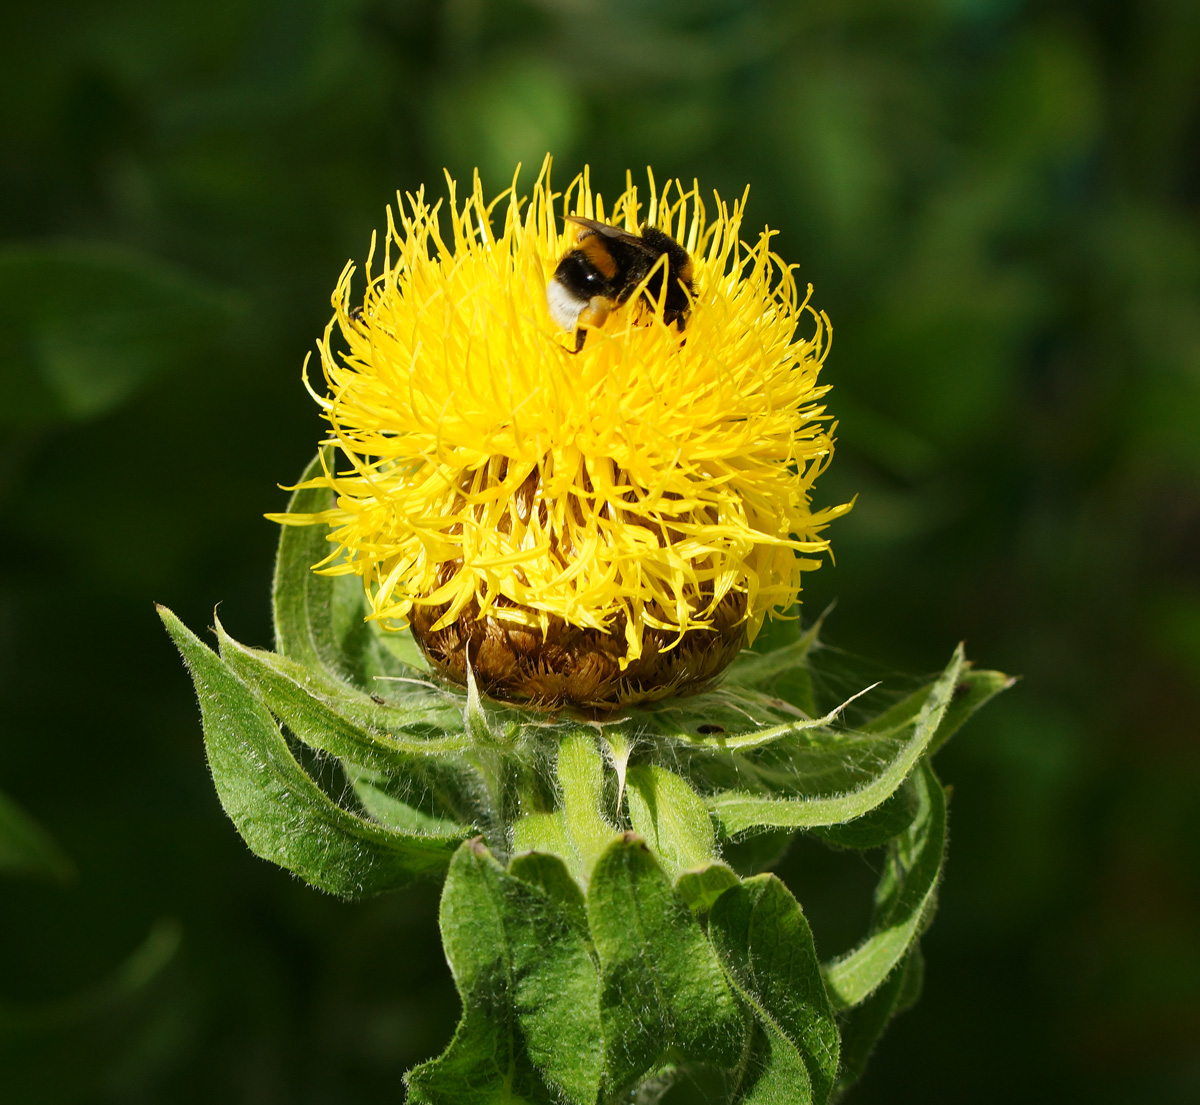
pixel 278 809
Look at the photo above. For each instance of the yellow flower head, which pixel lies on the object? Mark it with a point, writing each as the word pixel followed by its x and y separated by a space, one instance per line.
pixel 636 489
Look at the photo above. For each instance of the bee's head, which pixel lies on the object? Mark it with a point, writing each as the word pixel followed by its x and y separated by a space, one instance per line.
pixel 576 282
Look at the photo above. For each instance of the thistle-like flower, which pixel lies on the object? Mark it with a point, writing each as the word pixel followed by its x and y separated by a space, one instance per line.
pixel 586 528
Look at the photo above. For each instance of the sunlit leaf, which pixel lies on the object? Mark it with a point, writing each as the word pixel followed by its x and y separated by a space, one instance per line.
pixel 702 886
pixel 281 813
pixel 903 902
pixel 663 991
pixel 530 1029
pixel 767 950
pixel 333 718
pixel 672 818
pixel 824 778
pixel 580 770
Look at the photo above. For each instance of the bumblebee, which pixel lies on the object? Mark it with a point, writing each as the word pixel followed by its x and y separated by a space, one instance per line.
pixel 604 270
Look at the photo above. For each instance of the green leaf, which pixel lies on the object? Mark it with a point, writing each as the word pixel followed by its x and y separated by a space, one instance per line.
pixel 716 717
pixel 663 994
pixel 864 1025
pixel 880 825
pixel 390 763
pixel 85 326
pixel 767 950
pixel 828 778
pixel 783 672
pixel 904 900
pixel 490 724
pixel 550 875
pixel 544 832
pixel 530 1029
pixel 280 812
pixel 27 849
pixel 582 802
pixel 972 691
pixel 701 887
pixel 419 802
pixel 319 619
pixel 671 816
pixel 344 722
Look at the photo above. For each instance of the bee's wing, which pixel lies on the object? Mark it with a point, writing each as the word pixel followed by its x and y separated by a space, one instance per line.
pixel 608 231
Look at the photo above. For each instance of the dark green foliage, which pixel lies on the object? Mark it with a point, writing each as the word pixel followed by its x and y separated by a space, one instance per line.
pixel 27 849
pixel 84 327
pixel 85 1024
pixel 585 973
pixel 863 1025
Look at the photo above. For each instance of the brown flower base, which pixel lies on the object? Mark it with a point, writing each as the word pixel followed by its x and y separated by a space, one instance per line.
pixel 573 666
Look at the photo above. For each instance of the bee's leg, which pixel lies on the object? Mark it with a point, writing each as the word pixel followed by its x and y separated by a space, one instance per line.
pixel 595 314
pixel 679 320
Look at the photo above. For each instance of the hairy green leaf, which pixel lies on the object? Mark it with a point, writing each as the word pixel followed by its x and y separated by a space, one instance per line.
pixel 904 899
pixel 421 801
pixel 702 886
pixel 333 718
pixel 303 600
pixel 767 950
pixel 530 1029
pixel 826 778
pixel 671 816
pixel 280 812
pixel 543 832
pixel 783 672
pixel 663 992
pixel 582 797
pixel 550 875
pixel 972 691
pixel 730 713
pixel 864 1025
pixel 879 825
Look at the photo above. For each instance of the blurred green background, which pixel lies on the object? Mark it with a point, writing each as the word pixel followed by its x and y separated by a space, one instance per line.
pixel 999 204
